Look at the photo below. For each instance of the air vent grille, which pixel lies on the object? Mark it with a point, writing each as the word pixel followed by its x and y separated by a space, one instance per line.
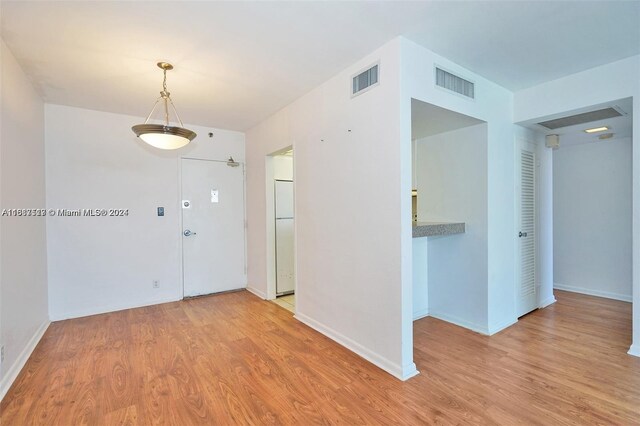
pixel 365 79
pixel 454 83
pixel 586 117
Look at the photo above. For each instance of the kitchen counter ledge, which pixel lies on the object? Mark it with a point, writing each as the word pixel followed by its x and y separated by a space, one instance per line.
pixel 437 229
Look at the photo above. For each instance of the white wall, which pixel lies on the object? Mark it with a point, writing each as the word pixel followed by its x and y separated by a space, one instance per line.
pixel 23 267
pixel 494 105
pixel 617 80
pixel 452 187
pixel 93 160
pixel 348 210
pixel 420 277
pixel 354 243
pixel 592 216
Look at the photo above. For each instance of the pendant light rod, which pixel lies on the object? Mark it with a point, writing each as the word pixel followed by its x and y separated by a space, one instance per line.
pixel 164 66
pixel 152 109
pixel 166 112
pixel 175 111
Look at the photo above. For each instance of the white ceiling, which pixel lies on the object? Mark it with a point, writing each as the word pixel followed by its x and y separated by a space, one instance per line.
pixel 239 62
pixel 428 120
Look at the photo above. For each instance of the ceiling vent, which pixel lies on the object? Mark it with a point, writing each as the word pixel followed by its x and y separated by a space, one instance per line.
pixel 586 117
pixel 365 80
pixel 452 82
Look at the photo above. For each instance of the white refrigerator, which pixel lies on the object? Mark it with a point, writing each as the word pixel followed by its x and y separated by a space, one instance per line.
pixel 284 237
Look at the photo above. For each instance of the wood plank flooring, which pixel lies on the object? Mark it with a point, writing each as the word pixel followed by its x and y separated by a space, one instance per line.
pixel 235 359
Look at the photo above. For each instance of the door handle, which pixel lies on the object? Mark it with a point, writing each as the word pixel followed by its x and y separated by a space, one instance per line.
pixel 522 234
pixel 188 233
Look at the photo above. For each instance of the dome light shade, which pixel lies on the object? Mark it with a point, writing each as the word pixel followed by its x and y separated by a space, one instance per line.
pixel 164 136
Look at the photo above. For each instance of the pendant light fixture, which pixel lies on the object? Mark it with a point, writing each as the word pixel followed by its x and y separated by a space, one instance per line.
pixel 164 136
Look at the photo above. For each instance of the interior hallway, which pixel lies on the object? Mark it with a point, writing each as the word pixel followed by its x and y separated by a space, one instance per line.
pixel 234 358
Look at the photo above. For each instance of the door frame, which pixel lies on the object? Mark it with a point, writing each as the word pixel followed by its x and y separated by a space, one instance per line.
pixel 181 224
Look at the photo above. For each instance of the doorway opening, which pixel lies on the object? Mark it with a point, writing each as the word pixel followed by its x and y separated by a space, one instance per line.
pixel 450 225
pixel 280 228
pixel 585 170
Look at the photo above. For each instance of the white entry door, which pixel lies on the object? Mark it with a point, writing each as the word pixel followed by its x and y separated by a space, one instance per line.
pixel 213 238
pixel 526 208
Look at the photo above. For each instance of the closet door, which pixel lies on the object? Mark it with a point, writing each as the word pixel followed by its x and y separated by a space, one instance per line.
pixel 527 299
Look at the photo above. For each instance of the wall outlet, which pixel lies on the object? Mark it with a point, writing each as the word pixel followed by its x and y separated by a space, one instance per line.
pixel 156 284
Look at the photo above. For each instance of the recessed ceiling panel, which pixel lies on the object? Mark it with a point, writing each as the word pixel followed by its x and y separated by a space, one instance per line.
pixel 586 117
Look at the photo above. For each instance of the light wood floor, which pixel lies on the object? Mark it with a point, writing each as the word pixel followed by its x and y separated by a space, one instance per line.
pixel 236 359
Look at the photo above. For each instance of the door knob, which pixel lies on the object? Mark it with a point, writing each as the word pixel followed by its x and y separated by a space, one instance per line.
pixel 188 232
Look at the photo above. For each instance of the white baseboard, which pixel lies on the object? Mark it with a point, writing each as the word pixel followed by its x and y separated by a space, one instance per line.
pixel 498 328
pixel 460 322
pixel 420 314
pixel 409 371
pixel 109 308
pixel 14 370
pixel 634 350
pixel 546 302
pixel 591 292
pixel 261 294
pixel 380 361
